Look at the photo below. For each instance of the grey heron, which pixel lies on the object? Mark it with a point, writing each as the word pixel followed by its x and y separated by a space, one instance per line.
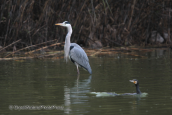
pixel 72 50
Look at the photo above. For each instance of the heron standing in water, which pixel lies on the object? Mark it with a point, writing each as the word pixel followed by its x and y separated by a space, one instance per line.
pixel 72 50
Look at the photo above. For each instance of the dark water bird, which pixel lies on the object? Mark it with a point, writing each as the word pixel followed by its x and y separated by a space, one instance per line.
pixel 73 51
pixel 136 82
pixel 138 92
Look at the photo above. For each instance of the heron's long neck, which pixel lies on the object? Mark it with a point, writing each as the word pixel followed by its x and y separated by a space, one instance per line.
pixel 67 43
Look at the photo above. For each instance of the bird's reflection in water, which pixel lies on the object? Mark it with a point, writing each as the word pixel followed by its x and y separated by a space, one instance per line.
pixel 76 94
pixel 78 78
pixel 67 99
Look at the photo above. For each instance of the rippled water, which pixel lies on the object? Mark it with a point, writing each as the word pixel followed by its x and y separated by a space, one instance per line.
pixel 53 84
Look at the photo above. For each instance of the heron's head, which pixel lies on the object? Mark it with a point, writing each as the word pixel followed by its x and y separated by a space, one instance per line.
pixel 64 24
pixel 135 81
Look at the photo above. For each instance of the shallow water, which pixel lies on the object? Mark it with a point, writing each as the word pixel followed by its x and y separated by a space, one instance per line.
pixel 51 86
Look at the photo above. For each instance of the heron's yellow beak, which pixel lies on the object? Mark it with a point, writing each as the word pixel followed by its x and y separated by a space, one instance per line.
pixel 59 24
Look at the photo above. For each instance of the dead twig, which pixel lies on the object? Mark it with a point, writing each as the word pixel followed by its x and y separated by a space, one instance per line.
pixel 80 12
pixel 96 52
pixel 114 42
pixel 43 48
pixel 16 58
pixel 29 47
pixel 132 7
pixel 10 44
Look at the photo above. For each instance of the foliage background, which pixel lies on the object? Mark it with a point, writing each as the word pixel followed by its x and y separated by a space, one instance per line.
pixel 95 23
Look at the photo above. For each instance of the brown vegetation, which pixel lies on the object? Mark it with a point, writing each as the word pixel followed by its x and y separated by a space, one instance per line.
pixel 26 24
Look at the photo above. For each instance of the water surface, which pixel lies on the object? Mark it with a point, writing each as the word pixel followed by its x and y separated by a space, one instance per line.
pixel 54 83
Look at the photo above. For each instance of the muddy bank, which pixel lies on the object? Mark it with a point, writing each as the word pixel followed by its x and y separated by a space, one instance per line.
pixel 45 53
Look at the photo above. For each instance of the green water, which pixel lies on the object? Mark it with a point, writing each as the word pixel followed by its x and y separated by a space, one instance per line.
pixel 53 83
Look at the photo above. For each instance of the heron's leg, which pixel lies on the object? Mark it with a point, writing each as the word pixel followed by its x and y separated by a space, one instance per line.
pixel 77 68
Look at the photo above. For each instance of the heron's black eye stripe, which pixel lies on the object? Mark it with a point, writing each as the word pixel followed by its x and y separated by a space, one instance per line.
pixel 67 22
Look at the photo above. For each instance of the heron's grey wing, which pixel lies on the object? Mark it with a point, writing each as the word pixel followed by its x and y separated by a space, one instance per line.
pixel 78 55
pixel 79 47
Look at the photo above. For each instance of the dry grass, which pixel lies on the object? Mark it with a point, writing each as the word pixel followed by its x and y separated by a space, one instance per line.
pixel 113 23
